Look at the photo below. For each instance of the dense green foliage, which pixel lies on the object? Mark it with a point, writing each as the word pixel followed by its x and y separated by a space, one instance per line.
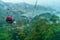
pixel 42 27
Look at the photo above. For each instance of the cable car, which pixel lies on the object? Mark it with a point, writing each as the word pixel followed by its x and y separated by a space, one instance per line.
pixel 9 19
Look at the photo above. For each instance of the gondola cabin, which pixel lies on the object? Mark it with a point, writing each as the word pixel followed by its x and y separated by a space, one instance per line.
pixel 9 19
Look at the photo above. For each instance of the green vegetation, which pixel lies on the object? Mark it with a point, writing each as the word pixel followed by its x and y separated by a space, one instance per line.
pixel 42 24
pixel 42 27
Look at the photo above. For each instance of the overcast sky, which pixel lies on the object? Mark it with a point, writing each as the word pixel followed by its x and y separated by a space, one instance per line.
pixel 42 2
pixel 53 3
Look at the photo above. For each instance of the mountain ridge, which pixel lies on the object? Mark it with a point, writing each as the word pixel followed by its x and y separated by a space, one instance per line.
pixel 23 9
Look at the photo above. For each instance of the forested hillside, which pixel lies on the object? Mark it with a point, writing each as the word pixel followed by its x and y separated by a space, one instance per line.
pixel 39 23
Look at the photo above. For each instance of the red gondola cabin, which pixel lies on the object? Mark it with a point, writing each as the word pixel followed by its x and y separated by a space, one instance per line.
pixel 9 19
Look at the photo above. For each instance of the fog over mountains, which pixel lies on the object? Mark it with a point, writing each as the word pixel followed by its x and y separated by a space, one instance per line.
pixel 23 8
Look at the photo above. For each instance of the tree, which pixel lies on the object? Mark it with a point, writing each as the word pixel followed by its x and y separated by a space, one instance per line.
pixel 44 29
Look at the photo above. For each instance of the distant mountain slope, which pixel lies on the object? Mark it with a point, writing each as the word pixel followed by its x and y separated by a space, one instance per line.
pixel 22 9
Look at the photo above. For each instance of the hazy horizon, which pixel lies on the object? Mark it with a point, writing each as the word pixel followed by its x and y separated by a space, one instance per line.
pixel 54 4
pixel 51 3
